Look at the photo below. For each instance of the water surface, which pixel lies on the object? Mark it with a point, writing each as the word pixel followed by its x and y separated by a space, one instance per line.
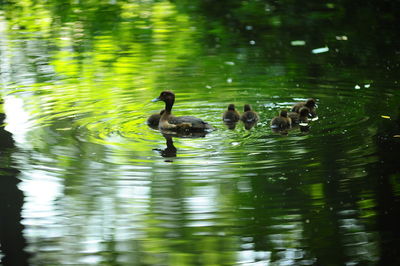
pixel 100 187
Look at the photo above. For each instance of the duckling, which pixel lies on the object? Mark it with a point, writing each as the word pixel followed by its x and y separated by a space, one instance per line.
pixel 178 123
pixel 154 119
pixel 282 121
pixel 249 116
pixel 300 117
pixel 310 104
pixel 231 115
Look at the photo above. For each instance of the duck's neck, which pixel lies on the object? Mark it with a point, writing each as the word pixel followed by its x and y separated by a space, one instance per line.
pixel 168 106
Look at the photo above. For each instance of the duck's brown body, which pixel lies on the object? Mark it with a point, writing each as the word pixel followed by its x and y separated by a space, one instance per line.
pixel 282 121
pixel 231 115
pixel 249 116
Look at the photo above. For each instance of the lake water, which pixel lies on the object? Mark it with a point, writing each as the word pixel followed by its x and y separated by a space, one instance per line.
pixel 85 181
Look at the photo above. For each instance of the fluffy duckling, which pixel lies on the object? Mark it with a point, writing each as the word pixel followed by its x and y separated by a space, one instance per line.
pixel 282 121
pixel 178 123
pixel 300 117
pixel 231 115
pixel 311 104
pixel 249 116
pixel 154 119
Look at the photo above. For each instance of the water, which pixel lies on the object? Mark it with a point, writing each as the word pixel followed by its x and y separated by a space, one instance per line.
pixel 84 180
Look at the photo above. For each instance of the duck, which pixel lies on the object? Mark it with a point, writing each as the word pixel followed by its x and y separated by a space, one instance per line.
pixel 249 116
pixel 154 119
pixel 178 123
pixel 231 115
pixel 300 117
pixel 282 121
pixel 311 104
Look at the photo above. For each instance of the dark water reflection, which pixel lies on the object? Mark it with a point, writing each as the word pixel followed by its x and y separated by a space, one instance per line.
pixel 99 186
pixel 12 242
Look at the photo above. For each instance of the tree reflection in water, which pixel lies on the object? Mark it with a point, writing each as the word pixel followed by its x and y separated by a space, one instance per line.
pixel 12 241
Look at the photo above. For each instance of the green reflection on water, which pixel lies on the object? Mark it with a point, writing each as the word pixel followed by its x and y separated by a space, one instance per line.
pixel 86 72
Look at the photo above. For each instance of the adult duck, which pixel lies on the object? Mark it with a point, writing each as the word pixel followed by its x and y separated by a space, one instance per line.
pixel 282 121
pixel 178 123
pixel 311 104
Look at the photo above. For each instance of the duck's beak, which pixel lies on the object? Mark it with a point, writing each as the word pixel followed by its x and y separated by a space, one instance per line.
pixel 156 100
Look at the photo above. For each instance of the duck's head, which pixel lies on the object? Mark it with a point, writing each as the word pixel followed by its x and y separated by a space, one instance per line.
pixel 165 96
pixel 304 111
pixel 231 107
pixel 247 107
pixel 311 103
pixel 283 113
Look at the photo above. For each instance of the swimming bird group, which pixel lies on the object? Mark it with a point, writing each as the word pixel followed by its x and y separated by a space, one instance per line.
pixel 298 115
pixel 165 120
pixel 232 116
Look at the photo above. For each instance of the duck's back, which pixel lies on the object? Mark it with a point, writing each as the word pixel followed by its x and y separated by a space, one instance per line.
pixel 231 116
pixel 280 122
pixel 295 117
pixel 197 123
pixel 297 106
pixel 250 117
